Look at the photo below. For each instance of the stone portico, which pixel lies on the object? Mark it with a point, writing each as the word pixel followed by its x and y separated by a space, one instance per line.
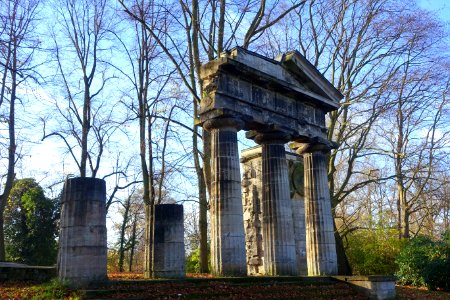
pixel 276 102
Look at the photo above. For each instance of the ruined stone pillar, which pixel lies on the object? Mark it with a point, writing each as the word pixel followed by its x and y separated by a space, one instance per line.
pixel 82 242
pixel 277 224
pixel 251 201
pixel 227 225
pixel 320 242
pixel 168 254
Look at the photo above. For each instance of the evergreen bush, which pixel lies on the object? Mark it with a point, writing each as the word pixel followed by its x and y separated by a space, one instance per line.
pixel 424 262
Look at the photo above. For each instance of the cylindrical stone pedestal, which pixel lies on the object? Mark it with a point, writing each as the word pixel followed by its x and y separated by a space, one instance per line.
pixel 277 223
pixel 168 254
pixel 227 224
pixel 82 242
pixel 320 242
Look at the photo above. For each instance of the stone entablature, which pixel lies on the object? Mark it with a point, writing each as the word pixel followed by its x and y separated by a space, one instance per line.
pixel 268 94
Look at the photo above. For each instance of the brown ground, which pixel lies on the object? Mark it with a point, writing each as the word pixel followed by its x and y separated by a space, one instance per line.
pixel 215 289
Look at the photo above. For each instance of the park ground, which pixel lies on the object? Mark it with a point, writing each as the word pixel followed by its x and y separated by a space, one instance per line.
pixel 135 288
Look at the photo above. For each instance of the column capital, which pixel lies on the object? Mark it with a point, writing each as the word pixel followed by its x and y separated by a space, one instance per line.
pixel 226 122
pixel 302 148
pixel 269 137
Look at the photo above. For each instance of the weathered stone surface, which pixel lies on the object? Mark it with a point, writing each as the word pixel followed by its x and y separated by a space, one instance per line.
pixel 82 242
pixel 375 287
pixel 288 94
pixel 296 183
pixel 251 201
pixel 276 101
pixel 278 231
pixel 320 242
pixel 227 227
pixel 169 256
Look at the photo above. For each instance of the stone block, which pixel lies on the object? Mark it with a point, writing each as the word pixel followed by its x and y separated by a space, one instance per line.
pixel 82 251
pixel 375 287
pixel 168 257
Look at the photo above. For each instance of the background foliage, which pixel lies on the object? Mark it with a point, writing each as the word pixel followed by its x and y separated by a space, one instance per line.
pixel 31 224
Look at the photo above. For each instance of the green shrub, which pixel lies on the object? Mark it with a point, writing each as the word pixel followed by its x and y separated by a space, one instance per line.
pixel 424 262
pixel 30 224
pixel 412 261
pixel 193 261
pixel 372 252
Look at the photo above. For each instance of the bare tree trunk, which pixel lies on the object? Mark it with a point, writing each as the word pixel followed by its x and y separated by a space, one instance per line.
pixel 122 234
pixel 203 173
pixel 85 126
pixel 2 235
pixel 132 245
pixel 11 149
pixel 203 227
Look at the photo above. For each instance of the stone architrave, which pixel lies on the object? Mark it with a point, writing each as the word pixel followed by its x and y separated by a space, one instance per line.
pixel 320 241
pixel 227 225
pixel 82 242
pixel 168 254
pixel 251 199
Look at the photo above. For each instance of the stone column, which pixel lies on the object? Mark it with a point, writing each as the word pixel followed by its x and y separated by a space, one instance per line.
pixel 82 241
pixel 297 182
pixel 227 225
pixel 320 242
pixel 277 223
pixel 168 256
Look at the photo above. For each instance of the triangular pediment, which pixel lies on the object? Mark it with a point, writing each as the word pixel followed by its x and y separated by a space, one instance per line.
pixel 308 75
pixel 293 70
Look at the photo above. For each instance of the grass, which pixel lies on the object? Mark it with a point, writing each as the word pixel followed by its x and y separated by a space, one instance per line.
pixel 54 289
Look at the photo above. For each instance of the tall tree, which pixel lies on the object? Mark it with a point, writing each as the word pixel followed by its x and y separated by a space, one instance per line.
pixel 209 28
pixel 418 137
pixel 81 47
pixel 17 47
pixel 151 101
pixel 130 228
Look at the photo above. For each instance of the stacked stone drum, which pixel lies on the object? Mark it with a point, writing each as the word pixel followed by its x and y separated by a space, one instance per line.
pixel 82 242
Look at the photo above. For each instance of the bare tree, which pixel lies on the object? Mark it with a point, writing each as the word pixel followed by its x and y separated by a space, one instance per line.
pixel 86 119
pixel 17 47
pixel 131 228
pixel 418 137
pixel 150 100
pixel 209 27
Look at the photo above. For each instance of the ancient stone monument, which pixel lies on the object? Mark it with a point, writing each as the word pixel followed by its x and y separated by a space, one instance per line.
pixel 82 242
pixel 168 255
pixel 276 101
pixel 251 160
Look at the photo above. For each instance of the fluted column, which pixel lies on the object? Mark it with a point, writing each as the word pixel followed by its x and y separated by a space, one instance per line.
pixel 227 223
pixel 277 224
pixel 320 242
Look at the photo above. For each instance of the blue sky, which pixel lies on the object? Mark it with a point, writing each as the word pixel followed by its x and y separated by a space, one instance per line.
pixel 441 7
